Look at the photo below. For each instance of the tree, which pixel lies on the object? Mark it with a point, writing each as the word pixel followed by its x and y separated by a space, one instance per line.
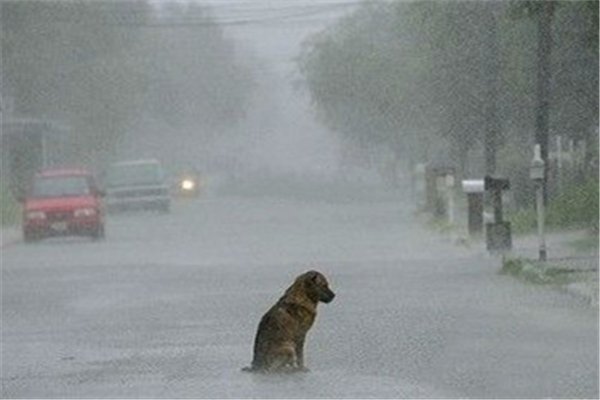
pixel 566 71
pixel 574 96
pixel 409 68
pixel 72 62
pixel 100 66
pixel 192 75
pixel 366 86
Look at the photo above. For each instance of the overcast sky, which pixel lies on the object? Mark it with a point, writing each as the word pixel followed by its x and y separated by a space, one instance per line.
pixel 268 35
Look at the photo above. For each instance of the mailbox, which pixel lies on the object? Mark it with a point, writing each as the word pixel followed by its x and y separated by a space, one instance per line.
pixel 473 186
pixel 496 183
pixel 474 189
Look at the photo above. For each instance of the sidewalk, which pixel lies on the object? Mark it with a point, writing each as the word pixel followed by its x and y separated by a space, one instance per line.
pixel 567 267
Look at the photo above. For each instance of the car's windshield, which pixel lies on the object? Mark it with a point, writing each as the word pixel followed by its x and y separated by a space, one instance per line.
pixel 137 174
pixel 60 187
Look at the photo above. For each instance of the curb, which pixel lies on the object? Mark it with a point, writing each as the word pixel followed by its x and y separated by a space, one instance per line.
pixel 581 283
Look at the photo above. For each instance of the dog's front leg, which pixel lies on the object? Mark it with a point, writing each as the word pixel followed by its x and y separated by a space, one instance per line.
pixel 300 354
pixel 283 359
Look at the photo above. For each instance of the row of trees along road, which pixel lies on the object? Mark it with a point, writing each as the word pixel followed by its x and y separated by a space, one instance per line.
pixel 100 66
pixel 444 82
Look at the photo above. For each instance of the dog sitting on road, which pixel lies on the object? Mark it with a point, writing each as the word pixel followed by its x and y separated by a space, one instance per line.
pixel 279 342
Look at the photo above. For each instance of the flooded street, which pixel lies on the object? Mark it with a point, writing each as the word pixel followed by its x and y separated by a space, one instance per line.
pixel 167 306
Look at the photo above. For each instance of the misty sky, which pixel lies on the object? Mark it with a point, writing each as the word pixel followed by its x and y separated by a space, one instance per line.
pixel 280 132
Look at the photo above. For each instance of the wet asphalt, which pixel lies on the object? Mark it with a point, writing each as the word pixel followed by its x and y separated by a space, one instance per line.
pixel 167 306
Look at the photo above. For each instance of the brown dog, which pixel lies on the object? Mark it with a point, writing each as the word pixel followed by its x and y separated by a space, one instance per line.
pixel 279 342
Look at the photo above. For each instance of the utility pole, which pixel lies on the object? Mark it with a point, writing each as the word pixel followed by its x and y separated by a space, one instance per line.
pixel 492 126
pixel 544 51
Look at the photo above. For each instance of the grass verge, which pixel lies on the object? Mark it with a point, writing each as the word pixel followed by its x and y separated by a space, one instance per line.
pixel 540 273
pixel 586 244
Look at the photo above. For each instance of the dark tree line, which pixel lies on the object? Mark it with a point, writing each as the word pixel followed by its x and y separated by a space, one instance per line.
pixel 451 81
pixel 99 66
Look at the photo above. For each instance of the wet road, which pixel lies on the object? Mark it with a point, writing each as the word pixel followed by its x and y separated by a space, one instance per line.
pixel 167 306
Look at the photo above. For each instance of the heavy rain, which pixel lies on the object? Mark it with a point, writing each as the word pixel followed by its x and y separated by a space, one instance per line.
pixel 168 168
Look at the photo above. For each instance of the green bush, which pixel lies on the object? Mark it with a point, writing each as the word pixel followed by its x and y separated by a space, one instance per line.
pixel 576 207
pixel 523 221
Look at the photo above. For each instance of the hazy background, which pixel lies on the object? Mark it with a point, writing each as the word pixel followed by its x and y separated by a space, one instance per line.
pixel 279 132
pixel 299 91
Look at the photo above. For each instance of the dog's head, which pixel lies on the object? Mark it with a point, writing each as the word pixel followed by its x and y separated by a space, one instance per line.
pixel 317 287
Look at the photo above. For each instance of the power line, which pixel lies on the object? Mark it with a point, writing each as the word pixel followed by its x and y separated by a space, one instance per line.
pixel 205 15
pixel 309 11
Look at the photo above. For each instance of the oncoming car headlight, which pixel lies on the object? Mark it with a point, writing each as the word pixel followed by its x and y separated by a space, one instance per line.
pixel 188 184
pixel 36 215
pixel 84 212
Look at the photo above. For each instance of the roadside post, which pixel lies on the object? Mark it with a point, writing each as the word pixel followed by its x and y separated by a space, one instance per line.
pixel 474 190
pixel 498 235
pixel 440 192
pixel 450 194
pixel 537 175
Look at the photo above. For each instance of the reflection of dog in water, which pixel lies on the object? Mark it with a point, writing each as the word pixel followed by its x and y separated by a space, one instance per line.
pixel 279 342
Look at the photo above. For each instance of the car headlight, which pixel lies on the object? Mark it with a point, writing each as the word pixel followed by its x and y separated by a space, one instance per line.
pixel 84 212
pixel 36 215
pixel 187 184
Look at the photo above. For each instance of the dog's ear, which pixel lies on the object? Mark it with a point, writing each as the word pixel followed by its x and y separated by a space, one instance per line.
pixel 316 278
pixel 312 276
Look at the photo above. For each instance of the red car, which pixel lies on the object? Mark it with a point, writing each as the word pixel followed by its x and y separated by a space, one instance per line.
pixel 63 202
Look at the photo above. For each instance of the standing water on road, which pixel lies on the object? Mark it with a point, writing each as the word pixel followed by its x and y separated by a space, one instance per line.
pixel 168 305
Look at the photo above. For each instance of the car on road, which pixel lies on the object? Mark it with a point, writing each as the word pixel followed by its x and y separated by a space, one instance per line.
pixel 190 183
pixel 62 202
pixel 137 185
